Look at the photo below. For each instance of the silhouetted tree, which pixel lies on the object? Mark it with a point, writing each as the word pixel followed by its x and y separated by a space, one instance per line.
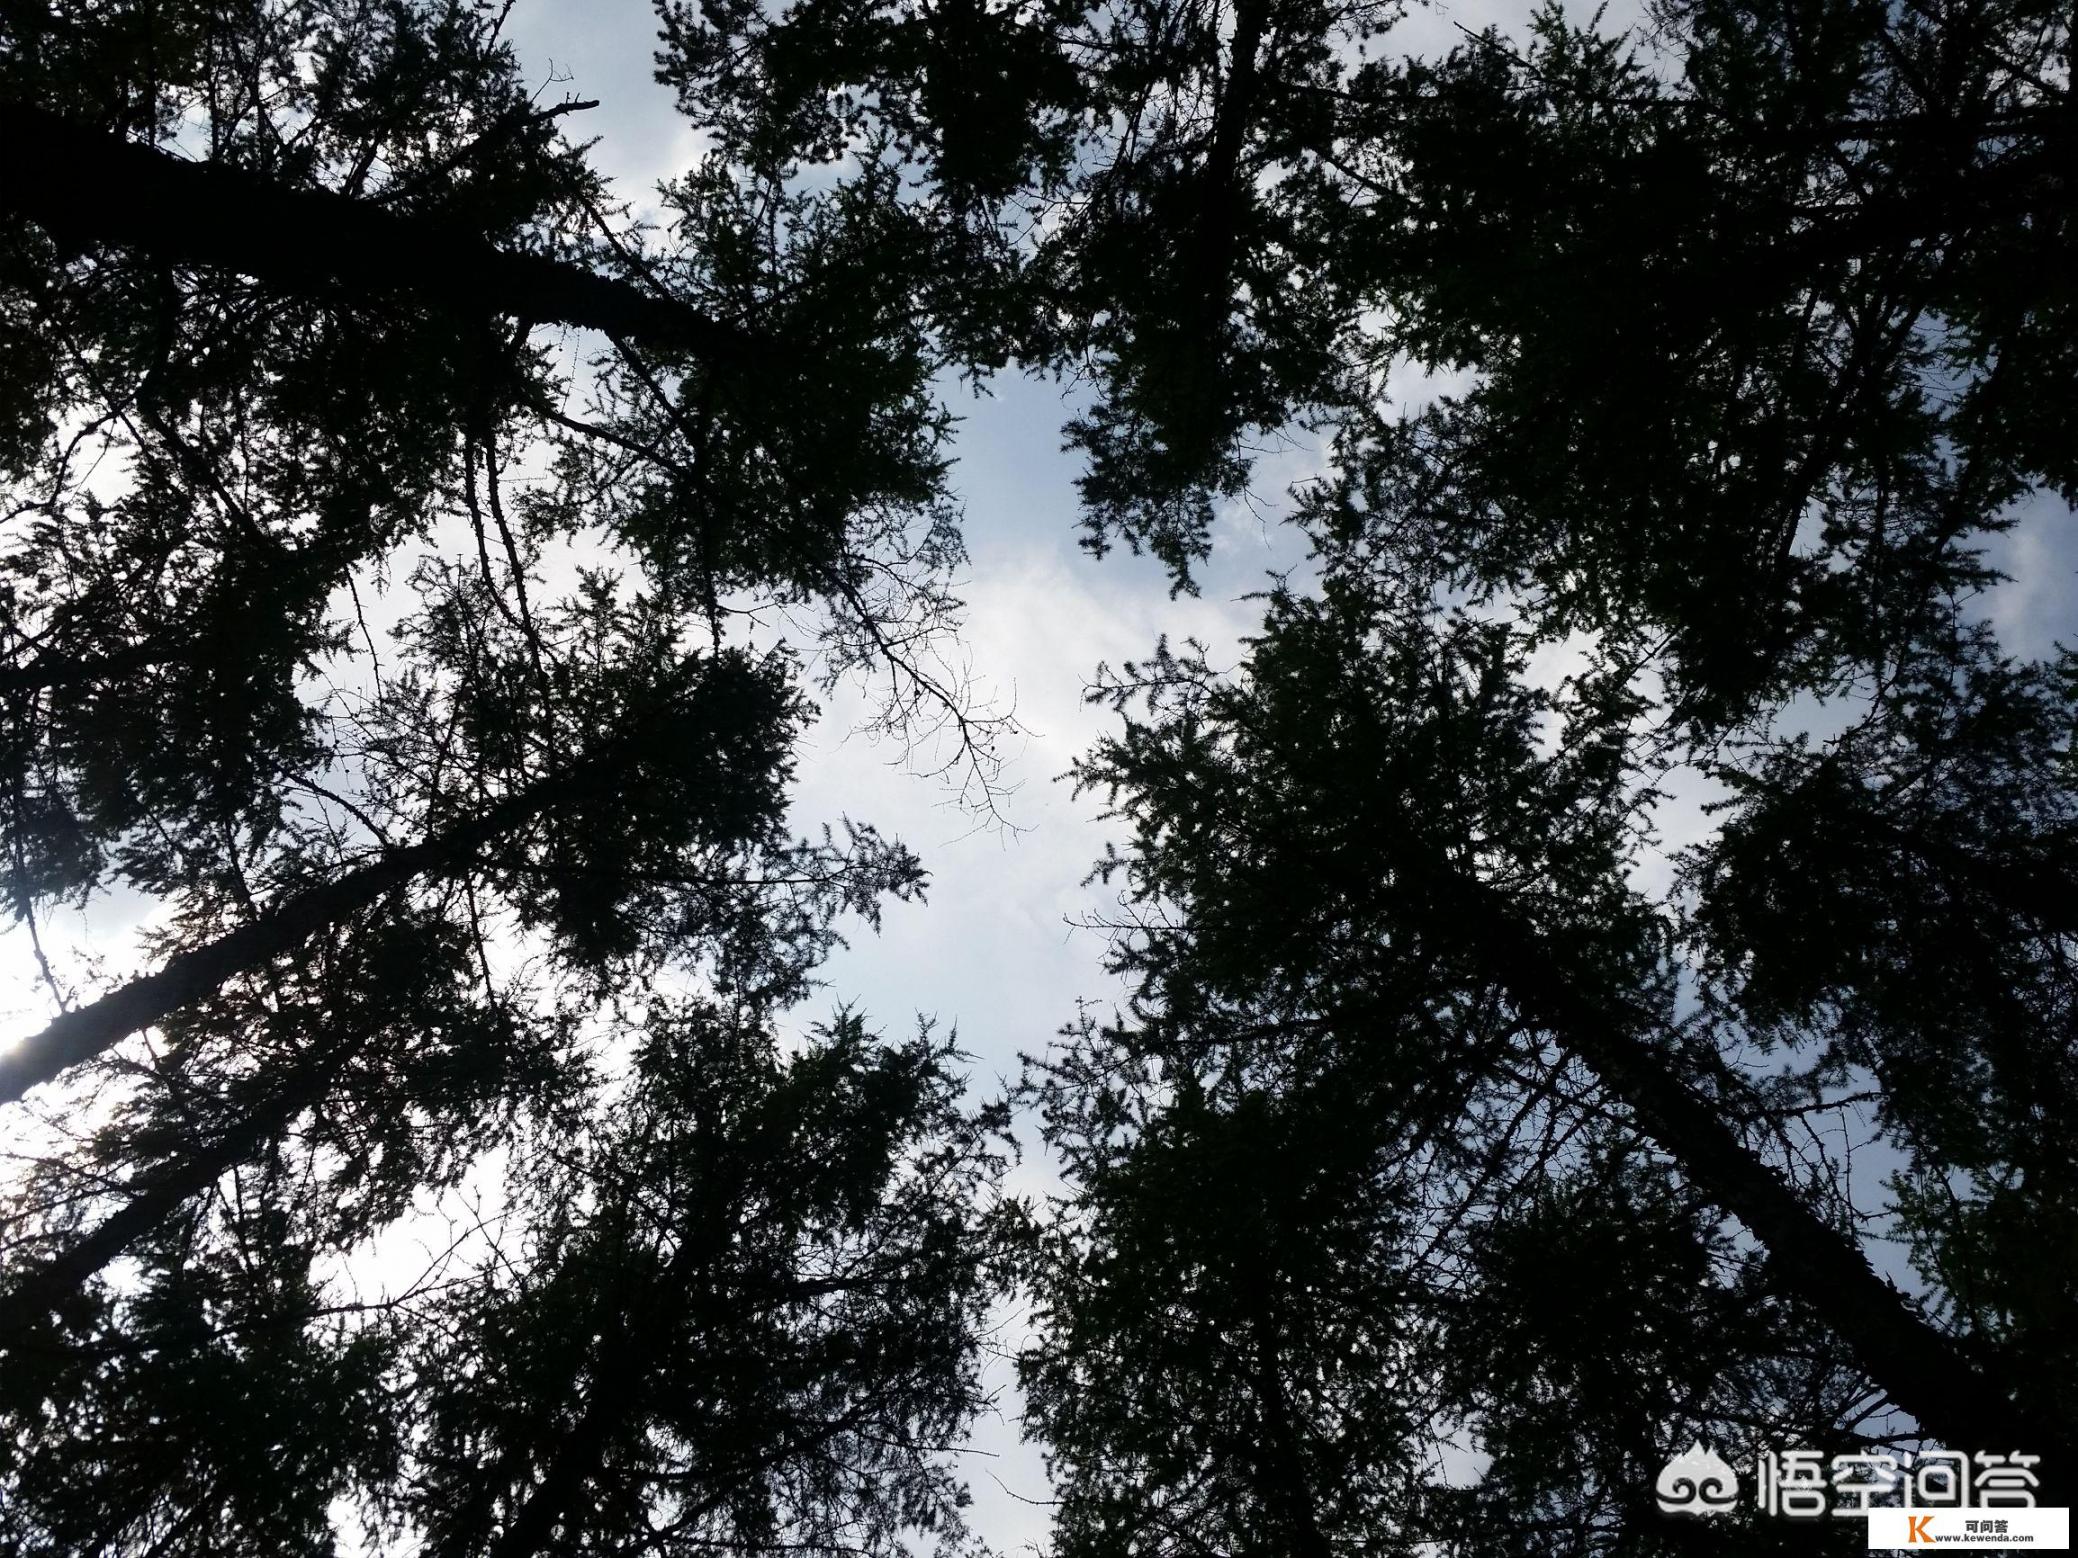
pixel 1746 347
pixel 287 422
pixel 748 1318
pixel 1756 331
pixel 1426 1124
pixel 1368 894
pixel 1229 1364
pixel 426 775
pixel 737 1304
pixel 1895 903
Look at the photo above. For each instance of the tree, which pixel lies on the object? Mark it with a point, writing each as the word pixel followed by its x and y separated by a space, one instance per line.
pixel 1770 270
pixel 283 481
pixel 1226 1366
pixel 1783 301
pixel 1280 1315
pixel 744 1311
pixel 1135 143
pixel 1355 856
pixel 1752 346
pixel 274 444
pixel 1744 344
pixel 1889 900
pixel 271 472
pixel 284 657
pixel 750 1319
pixel 329 1091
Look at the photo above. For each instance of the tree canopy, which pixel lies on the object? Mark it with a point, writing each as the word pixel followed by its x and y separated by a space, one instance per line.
pixel 398 537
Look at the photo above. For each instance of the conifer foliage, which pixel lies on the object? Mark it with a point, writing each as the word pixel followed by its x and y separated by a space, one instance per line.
pixel 434 1176
pixel 1470 1141
pixel 1742 335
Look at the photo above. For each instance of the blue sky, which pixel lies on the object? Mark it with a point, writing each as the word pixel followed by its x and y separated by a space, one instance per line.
pixel 995 952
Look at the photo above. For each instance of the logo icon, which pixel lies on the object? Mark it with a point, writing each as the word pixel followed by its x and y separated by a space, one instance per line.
pixel 1917 1528
pixel 1696 1482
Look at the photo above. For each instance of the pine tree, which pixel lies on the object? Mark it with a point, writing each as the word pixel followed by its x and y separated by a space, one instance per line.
pixel 1746 346
pixel 750 1316
pixel 1352 861
pixel 433 778
pixel 1753 341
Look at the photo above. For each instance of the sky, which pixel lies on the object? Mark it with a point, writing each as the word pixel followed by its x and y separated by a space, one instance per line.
pixel 996 952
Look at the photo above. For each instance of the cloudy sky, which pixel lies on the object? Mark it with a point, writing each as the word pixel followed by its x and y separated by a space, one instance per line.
pixel 995 953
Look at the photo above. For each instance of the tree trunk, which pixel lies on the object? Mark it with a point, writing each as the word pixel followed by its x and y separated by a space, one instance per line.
pixel 1280 1471
pixel 80 1035
pixel 1923 1369
pixel 87 186
pixel 157 1195
pixel 576 1459
pixel 1215 241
